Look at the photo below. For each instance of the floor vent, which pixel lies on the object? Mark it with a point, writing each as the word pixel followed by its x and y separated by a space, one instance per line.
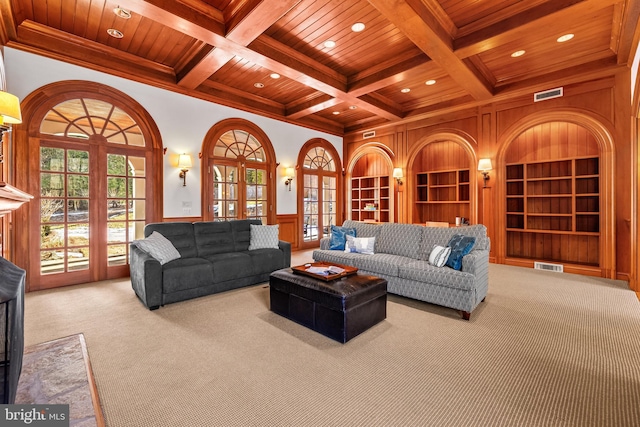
pixel 369 134
pixel 559 268
pixel 547 94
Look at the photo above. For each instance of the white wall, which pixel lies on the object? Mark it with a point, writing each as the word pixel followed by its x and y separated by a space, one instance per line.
pixel 183 123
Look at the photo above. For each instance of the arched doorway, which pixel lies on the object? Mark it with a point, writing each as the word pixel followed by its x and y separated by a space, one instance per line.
pixel 238 173
pixel 319 200
pixel 91 155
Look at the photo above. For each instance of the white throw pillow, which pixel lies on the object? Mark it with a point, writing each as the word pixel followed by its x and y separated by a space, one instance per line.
pixel 158 247
pixel 264 237
pixel 439 255
pixel 361 245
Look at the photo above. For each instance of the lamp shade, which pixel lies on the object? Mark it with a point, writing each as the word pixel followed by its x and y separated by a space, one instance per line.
pixel 485 165
pixel 289 172
pixel 9 109
pixel 185 161
pixel 397 173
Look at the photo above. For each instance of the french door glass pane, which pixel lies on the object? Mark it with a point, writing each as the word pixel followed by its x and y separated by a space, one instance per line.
pixel 225 192
pixel 329 194
pixel 256 194
pixel 64 210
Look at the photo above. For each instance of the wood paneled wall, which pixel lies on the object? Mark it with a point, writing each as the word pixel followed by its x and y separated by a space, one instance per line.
pixel 520 130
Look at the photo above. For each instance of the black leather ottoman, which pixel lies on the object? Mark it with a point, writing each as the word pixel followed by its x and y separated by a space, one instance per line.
pixel 339 309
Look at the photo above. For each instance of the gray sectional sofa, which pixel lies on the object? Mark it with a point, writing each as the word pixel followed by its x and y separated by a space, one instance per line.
pixel 401 257
pixel 214 257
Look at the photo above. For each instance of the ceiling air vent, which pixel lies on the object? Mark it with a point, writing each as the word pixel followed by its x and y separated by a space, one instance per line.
pixel 547 94
pixel 369 134
pixel 548 266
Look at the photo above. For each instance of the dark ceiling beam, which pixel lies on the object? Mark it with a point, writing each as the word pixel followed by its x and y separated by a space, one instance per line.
pixel 423 29
pixel 523 24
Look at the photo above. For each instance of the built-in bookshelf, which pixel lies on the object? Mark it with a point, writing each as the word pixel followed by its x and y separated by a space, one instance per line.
pixel 442 195
pixel 553 210
pixel 370 198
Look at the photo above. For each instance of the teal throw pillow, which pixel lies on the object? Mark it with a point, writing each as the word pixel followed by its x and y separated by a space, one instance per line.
pixel 460 246
pixel 339 237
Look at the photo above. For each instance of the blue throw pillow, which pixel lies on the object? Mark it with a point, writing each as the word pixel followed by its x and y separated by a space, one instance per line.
pixel 339 237
pixel 460 246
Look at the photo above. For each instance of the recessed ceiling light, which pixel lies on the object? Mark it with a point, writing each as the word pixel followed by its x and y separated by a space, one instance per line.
pixel 335 113
pixel 357 27
pixel 122 13
pixel 329 44
pixel 405 90
pixel 259 85
pixel 115 33
pixel 352 107
pixel 430 82
pixel 517 53
pixel 564 38
pixel 274 75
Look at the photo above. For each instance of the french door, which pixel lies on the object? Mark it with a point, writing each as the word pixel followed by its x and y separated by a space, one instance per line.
pixel 92 205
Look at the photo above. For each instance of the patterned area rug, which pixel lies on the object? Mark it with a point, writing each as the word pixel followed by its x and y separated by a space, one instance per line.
pixel 59 372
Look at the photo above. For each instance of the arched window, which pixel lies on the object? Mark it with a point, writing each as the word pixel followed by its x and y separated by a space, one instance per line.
pixel 239 173
pixel 95 169
pixel 320 202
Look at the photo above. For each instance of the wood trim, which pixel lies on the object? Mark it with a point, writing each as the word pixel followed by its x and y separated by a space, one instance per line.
pixel 183 219
pixel 289 229
pixel 568 268
pixel 95 398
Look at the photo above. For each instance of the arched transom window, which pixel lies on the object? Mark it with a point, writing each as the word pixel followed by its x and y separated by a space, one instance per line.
pixel 239 143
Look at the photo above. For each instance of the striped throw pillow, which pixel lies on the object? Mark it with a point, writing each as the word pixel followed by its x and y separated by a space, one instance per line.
pixel 439 255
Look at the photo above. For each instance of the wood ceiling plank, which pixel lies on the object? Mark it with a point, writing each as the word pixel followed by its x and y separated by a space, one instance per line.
pixel 249 22
pixel 308 107
pixel 550 15
pixel 7 23
pixel 385 77
pixel 424 31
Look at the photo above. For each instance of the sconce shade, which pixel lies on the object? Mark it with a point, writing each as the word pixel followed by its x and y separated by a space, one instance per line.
pixel 9 109
pixel 397 173
pixel 289 172
pixel 184 162
pixel 485 165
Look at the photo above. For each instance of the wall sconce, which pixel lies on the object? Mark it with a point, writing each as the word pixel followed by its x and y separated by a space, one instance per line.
pixel 289 174
pixel 484 166
pixel 184 163
pixel 398 175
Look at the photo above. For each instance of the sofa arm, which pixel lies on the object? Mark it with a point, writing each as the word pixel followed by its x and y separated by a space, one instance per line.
pixel 146 277
pixel 286 248
pixel 477 263
pixel 324 243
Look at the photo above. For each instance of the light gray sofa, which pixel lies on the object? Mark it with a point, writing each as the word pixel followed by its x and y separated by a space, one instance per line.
pixel 401 257
pixel 214 257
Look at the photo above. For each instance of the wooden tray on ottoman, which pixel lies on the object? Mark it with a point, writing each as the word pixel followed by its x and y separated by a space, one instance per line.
pixel 302 269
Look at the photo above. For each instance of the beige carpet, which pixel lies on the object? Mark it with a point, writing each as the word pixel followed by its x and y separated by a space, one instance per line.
pixel 544 349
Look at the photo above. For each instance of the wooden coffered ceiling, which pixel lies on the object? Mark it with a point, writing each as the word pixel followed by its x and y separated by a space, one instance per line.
pixel 221 50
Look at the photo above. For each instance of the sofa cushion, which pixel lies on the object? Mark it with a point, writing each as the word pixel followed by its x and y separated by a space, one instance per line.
pixel 422 271
pixel 241 229
pixel 441 236
pixel 213 238
pixel 338 237
pixel 231 266
pixel 266 260
pixel 400 239
pixel 180 234
pixel 263 236
pixel 377 263
pixel 186 273
pixel 158 247
pixel 460 246
pixel 363 229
